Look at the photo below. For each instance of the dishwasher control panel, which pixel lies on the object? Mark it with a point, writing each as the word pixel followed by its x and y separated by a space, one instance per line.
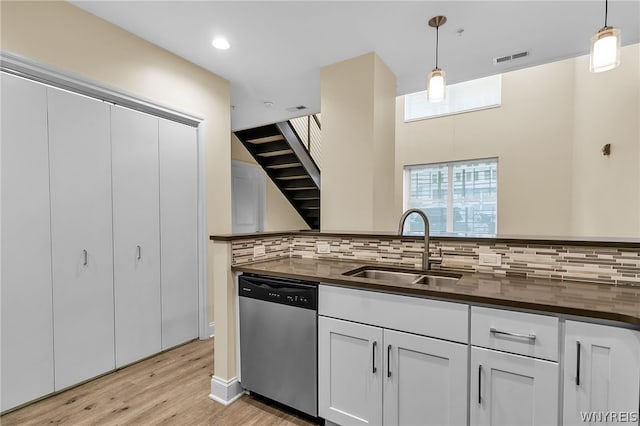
pixel 303 294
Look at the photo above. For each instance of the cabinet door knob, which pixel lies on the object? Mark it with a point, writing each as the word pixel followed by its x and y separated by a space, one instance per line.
pixel 578 362
pixel 373 356
pixel 389 361
pixel 480 384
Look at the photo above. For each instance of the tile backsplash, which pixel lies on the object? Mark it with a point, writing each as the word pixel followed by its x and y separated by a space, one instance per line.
pixel 607 265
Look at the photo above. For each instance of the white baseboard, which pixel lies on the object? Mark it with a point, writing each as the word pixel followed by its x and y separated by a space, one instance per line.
pixel 225 391
pixel 211 329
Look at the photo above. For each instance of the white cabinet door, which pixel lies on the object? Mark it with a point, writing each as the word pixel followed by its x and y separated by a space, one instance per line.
pixel 601 374
pixel 425 381
pixel 136 234
pixel 27 330
pixel 512 390
pixel 178 232
pixel 350 369
pixel 80 163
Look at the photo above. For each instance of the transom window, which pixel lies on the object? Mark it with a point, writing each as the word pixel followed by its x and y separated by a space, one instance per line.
pixel 459 197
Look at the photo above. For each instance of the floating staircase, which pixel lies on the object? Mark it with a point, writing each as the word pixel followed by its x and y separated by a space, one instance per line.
pixel 283 156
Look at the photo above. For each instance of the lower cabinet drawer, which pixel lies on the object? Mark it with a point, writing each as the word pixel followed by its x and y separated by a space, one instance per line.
pixel 516 332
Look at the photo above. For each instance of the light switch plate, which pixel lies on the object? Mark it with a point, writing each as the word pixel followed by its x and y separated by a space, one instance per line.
pixel 490 259
pixel 323 248
pixel 258 251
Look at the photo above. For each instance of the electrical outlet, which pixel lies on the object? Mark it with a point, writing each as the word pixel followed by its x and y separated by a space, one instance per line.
pixel 323 248
pixel 258 251
pixel 490 259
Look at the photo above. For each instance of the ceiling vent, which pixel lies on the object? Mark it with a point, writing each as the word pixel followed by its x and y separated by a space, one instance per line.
pixel 508 58
pixel 296 108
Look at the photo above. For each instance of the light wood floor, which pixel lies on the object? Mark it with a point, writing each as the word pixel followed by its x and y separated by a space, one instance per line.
pixel 169 389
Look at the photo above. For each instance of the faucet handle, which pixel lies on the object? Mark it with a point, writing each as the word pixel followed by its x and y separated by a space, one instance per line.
pixel 436 260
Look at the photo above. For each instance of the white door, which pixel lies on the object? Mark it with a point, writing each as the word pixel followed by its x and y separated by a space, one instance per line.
pixel 27 330
pixel 350 368
pixel 512 390
pixel 601 374
pixel 247 193
pixel 178 232
pixel 425 381
pixel 136 234
pixel 80 162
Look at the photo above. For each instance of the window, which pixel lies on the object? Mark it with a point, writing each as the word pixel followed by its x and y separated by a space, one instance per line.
pixel 467 96
pixel 458 197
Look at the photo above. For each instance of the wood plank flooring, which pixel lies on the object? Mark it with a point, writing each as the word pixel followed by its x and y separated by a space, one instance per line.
pixel 171 388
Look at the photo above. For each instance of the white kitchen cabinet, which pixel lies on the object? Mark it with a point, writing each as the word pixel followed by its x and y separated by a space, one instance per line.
pixel 136 235
pixel 82 252
pixel 350 369
pixel 425 381
pixel 601 372
pixel 27 330
pixel 509 389
pixel 178 232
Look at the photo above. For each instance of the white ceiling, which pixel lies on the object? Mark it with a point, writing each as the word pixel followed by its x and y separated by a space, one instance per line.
pixel 278 47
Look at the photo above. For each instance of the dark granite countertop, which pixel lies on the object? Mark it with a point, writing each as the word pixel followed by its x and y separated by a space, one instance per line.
pixel 512 239
pixel 598 301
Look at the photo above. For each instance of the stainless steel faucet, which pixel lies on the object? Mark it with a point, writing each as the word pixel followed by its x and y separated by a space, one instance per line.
pixel 426 262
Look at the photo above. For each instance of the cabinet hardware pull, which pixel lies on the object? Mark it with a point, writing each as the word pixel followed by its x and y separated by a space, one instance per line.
pixel 480 384
pixel 531 337
pixel 139 252
pixel 389 361
pixel 578 363
pixel 375 344
pixel 85 258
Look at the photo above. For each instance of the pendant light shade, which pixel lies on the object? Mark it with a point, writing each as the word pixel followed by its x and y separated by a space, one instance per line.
pixel 605 47
pixel 436 85
pixel 605 50
pixel 436 82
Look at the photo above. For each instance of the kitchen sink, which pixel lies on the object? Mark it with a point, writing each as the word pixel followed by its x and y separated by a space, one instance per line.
pixel 405 277
pixel 395 276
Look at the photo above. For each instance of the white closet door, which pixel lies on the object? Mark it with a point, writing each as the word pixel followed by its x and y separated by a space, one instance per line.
pixel 136 234
pixel 27 331
pixel 178 232
pixel 80 162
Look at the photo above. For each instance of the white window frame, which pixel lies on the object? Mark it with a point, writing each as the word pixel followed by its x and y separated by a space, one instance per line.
pixel 450 199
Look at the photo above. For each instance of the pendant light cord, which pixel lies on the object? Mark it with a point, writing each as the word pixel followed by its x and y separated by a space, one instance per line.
pixel 606 12
pixel 437 42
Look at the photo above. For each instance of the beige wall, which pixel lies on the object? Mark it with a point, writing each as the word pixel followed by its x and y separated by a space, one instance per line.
pixel 279 213
pixel 59 34
pixel 607 110
pixel 547 136
pixel 357 98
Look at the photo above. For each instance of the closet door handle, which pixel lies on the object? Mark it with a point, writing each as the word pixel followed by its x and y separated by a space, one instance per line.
pixel 480 384
pixel 578 363
pixel 85 257
pixel 373 356
pixel 139 256
pixel 389 361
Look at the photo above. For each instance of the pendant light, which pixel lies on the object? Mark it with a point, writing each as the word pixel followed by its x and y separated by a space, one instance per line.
pixel 605 47
pixel 436 83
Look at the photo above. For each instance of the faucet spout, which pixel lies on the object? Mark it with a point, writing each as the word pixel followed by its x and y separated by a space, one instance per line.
pixel 426 265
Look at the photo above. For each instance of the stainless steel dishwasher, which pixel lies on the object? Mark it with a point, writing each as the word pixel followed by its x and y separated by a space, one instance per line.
pixel 278 340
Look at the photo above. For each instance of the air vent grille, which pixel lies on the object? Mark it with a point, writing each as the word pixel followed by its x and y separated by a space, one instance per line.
pixel 507 58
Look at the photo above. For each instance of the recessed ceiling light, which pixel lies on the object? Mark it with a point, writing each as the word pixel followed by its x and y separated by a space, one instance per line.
pixel 220 43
